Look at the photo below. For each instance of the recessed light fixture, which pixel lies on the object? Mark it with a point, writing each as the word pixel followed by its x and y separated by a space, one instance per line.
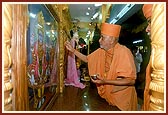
pixel 87 13
pixel 89 8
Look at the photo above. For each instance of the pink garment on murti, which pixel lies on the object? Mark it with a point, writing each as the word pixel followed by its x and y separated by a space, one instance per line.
pixel 72 73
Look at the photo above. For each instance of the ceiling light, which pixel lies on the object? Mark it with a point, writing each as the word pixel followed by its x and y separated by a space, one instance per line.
pixel 32 15
pixel 87 13
pixel 95 15
pixel 122 13
pixel 88 8
pixel 125 10
pixel 97 5
pixel 138 41
pixel 85 96
pixel 48 23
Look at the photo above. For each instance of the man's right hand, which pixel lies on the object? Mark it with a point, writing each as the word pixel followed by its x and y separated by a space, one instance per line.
pixel 69 46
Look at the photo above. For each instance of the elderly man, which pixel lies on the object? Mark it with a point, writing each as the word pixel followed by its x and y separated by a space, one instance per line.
pixel 113 66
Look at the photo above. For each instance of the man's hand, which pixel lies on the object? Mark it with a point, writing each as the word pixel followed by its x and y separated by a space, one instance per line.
pixel 98 79
pixel 69 46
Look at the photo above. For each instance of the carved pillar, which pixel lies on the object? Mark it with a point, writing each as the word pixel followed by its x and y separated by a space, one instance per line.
pixel 19 57
pixel 158 58
pixel 61 49
pixel 7 35
pixel 64 24
pixel 106 8
pixel 64 27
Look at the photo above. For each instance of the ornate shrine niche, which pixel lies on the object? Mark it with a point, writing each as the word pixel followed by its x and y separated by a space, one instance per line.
pixel 42 55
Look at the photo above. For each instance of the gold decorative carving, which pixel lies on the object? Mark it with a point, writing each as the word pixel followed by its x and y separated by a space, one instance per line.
pixel 56 8
pixel 157 98
pixel 154 107
pixel 106 8
pixel 7 35
pixel 158 58
pixel 64 25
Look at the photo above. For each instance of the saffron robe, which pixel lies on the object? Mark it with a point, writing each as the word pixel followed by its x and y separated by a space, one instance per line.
pixel 122 65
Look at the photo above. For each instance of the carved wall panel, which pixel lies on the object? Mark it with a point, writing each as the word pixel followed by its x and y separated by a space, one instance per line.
pixel 158 58
pixel 19 57
pixel 7 61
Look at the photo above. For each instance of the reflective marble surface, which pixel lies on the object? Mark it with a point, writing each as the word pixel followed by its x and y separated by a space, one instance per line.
pixel 75 99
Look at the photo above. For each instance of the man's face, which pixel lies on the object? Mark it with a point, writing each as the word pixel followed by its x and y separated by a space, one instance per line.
pixel 105 41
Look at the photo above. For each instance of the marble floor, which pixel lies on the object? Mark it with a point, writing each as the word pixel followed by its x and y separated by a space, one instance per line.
pixel 76 99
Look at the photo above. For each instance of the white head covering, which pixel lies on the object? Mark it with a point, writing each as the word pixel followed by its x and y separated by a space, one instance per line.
pixel 75 35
